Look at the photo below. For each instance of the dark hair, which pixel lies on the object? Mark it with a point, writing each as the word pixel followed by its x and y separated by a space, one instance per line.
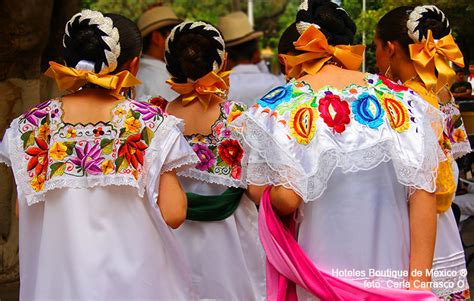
pixel 334 22
pixel 288 37
pixel 393 26
pixel 164 31
pixel 244 51
pixel 84 42
pixel 192 52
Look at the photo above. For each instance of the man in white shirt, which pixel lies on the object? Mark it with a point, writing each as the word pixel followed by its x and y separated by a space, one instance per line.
pixel 248 80
pixel 155 25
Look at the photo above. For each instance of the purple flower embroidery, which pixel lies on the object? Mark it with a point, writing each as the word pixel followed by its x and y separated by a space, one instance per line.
pixel 89 158
pixel 148 111
pixel 37 112
pixel 226 133
pixel 227 106
pixel 205 155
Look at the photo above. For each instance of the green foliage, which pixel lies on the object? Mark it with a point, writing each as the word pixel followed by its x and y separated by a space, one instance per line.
pixel 273 17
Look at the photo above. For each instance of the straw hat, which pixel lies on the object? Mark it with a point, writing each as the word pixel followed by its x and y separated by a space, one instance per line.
pixel 156 18
pixel 236 29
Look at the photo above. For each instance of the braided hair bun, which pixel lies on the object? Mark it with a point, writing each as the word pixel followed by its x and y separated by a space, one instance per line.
pixel 91 40
pixel 424 18
pixel 194 49
pixel 332 20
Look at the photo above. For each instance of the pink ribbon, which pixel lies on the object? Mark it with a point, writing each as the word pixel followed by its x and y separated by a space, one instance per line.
pixel 288 266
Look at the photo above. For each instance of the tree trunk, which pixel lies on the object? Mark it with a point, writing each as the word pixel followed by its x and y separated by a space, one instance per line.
pixel 30 32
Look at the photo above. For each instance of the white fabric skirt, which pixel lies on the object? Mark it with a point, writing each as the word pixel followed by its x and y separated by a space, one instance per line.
pixel 226 257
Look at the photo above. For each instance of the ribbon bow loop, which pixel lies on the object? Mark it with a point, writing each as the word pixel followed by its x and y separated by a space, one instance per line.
pixel 434 55
pixel 317 52
pixel 203 89
pixel 71 79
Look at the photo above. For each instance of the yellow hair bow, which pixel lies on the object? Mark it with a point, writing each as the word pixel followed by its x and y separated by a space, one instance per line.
pixel 317 52
pixel 203 89
pixel 431 55
pixel 71 79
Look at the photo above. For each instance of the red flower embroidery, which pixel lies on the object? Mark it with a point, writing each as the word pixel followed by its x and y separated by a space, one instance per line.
pixel 133 149
pixel 236 171
pixel 335 112
pixel 392 85
pixel 159 102
pixel 39 157
pixel 231 152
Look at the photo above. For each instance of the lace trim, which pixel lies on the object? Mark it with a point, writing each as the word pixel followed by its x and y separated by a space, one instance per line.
pixel 279 168
pixel 86 182
pixel 459 150
pixel 214 178
pixel 181 164
pixel 448 281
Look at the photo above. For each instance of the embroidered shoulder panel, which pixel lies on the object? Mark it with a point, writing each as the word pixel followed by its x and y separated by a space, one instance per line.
pixel 59 154
pixel 299 136
pixel 220 153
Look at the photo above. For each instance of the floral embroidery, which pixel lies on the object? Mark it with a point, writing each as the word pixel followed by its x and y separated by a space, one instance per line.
pixel 303 124
pixel 230 152
pixel 462 295
pixel 397 113
pixel 367 110
pixel 53 149
pixel 276 96
pixel 58 151
pixel 37 113
pixel 88 159
pixel 205 155
pixel 459 135
pixel 219 152
pixel 392 85
pixel 334 111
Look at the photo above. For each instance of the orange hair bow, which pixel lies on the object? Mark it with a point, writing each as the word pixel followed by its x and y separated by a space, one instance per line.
pixel 203 89
pixel 317 52
pixel 71 79
pixel 430 55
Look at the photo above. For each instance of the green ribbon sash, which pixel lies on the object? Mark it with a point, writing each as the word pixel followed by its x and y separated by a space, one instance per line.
pixel 213 207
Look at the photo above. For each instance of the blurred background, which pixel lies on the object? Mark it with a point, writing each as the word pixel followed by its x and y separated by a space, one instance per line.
pixel 31 34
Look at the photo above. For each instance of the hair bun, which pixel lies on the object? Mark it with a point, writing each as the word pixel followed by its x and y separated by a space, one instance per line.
pixel 424 18
pixel 331 19
pixel 91 37
pixel 176 53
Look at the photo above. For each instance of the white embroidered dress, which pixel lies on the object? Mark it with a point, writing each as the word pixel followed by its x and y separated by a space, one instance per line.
pixel 226 256
pixel 354 155
pixel 90 228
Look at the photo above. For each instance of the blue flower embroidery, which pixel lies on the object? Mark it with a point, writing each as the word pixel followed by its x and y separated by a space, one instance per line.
pixel 367 110
pixel 276 96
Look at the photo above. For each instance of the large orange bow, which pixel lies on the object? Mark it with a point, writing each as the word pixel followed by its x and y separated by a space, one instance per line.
pixel 204 89
pixel 71 79
pixel 317 52
pixel 432 55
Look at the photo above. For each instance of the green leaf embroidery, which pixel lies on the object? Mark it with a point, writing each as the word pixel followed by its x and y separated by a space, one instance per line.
pixel 457 121
pixel 57 169
pixel 120 164
pixel 135 114
pixel 70 147
pixel 106 145
pixel 147 135
pixel 28 139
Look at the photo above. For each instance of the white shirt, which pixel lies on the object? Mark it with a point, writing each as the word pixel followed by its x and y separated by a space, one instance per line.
pixel 248 83
pixel 153 75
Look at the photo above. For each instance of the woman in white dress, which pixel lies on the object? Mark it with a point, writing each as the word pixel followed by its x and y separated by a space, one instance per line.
pixel 401 39
pixel 96 177
pixel 355 156
pixel 220 235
